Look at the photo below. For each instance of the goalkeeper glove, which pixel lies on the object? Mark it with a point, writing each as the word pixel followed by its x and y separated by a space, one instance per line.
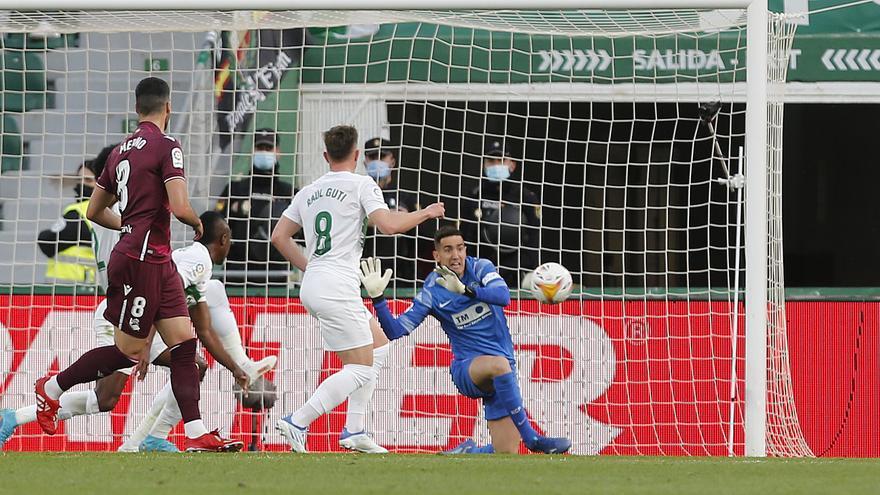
pixel 374 283
pixel 449 280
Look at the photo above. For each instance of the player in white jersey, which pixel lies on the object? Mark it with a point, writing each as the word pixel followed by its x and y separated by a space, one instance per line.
pixel 333 211
pixel 213 320
pixel 214 323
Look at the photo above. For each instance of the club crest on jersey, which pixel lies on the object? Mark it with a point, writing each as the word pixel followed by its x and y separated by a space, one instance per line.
pixel 135 324
pixel 471 315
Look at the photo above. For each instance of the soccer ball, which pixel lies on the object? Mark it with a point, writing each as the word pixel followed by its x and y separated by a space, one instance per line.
pixel 551 283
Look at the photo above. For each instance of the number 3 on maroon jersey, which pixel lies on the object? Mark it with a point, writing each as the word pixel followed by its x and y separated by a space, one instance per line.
pixel 123 170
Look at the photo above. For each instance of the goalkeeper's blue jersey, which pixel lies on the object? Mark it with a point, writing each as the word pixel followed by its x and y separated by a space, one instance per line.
pixel 475 326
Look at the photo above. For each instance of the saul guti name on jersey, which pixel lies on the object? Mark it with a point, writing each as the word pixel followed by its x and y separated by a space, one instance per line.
pixel 330 193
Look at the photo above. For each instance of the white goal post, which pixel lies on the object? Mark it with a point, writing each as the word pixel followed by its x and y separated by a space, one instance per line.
pixel 767 41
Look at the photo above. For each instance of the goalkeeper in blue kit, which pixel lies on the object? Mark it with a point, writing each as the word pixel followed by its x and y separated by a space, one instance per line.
pixel 468 296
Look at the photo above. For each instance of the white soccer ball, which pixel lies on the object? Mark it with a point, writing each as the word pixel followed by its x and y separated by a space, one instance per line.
pixel 551 283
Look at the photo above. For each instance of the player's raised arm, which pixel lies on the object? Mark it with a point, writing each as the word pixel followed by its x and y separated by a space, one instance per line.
pixel 282 239
pixel 99 210
pixel 374 282
pixel 396 222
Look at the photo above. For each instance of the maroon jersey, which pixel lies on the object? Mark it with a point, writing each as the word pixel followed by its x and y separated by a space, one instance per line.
pixel 136 172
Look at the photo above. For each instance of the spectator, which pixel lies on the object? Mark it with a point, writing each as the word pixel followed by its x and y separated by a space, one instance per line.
pixel 252 206
pixel 500 216
pixel 68 242
pixel 396 251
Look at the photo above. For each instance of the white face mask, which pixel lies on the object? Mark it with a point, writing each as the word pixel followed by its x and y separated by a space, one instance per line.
pixel 264 160
pixel 497 173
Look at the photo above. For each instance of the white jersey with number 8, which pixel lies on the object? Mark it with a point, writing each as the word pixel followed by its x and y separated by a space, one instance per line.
pixel 332 212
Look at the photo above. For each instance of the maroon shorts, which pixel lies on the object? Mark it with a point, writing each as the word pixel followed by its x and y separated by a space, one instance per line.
pixel 140 293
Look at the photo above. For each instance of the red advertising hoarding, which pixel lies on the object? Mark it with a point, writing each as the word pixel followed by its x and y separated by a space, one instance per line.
pixel 618 377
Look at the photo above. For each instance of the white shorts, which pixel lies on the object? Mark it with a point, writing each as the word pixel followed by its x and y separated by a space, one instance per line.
pixel 345 321
pixel 104 336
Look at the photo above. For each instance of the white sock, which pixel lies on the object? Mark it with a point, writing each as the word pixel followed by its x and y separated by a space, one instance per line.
pixel 223 322
pixel 359 400
pixel 77 404
pixel 25 415
pixel 53 390
pixel 72 404
pixel 195 428
pixel 332 392
pixel 152 415
pixel 167 420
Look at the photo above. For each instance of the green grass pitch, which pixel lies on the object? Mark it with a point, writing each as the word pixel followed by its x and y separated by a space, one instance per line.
pixel 182 474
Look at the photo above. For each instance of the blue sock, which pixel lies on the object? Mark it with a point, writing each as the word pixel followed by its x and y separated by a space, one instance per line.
pixel 507 391
pixel 485 449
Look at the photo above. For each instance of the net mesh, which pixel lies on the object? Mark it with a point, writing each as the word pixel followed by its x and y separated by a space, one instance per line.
pixel 568 22
pixel 613 176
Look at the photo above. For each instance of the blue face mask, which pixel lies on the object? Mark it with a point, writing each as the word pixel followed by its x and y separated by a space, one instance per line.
pixel 264 161
pixel 497 173
pixel 377 169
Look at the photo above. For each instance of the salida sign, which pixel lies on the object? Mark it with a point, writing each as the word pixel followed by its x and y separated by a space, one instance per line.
pixel 630 378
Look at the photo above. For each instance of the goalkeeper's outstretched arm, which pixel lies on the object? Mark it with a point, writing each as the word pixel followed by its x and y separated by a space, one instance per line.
pixel 375 282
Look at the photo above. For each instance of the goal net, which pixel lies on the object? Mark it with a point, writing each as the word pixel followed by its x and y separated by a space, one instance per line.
pixel 607 141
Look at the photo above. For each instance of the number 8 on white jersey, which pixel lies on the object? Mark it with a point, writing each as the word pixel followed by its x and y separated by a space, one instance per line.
pixel 332 212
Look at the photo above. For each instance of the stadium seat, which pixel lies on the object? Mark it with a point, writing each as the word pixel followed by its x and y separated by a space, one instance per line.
pixel 23 81
pixel 20 40
pixel 11 146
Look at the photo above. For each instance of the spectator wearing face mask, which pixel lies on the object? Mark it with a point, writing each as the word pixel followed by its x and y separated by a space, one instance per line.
pixel 252 206
pixel 501 216
pixel 398 251
pixel 68 242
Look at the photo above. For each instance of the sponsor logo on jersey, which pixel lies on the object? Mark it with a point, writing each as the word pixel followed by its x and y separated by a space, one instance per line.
pixel 126 229
pixel 471 315
pixel 126 288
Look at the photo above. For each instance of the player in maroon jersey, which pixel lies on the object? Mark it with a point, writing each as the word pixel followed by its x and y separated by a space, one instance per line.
pixel 144 173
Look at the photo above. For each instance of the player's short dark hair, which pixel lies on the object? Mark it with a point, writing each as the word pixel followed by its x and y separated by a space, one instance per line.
pixel 101 160
pixel 212 227
pixel 88 165
pixel 340 141
pixel 151 95
pixel 444 232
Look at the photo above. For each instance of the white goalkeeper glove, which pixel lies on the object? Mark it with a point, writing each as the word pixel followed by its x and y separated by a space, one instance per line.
pixel 374 283
pixel 449 280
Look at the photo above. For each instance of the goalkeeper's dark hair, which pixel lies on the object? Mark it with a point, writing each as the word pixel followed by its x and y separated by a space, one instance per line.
pixel 151 95
pixel 446 231
pixel 340 141
pixel 212 223
pixel 100 161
